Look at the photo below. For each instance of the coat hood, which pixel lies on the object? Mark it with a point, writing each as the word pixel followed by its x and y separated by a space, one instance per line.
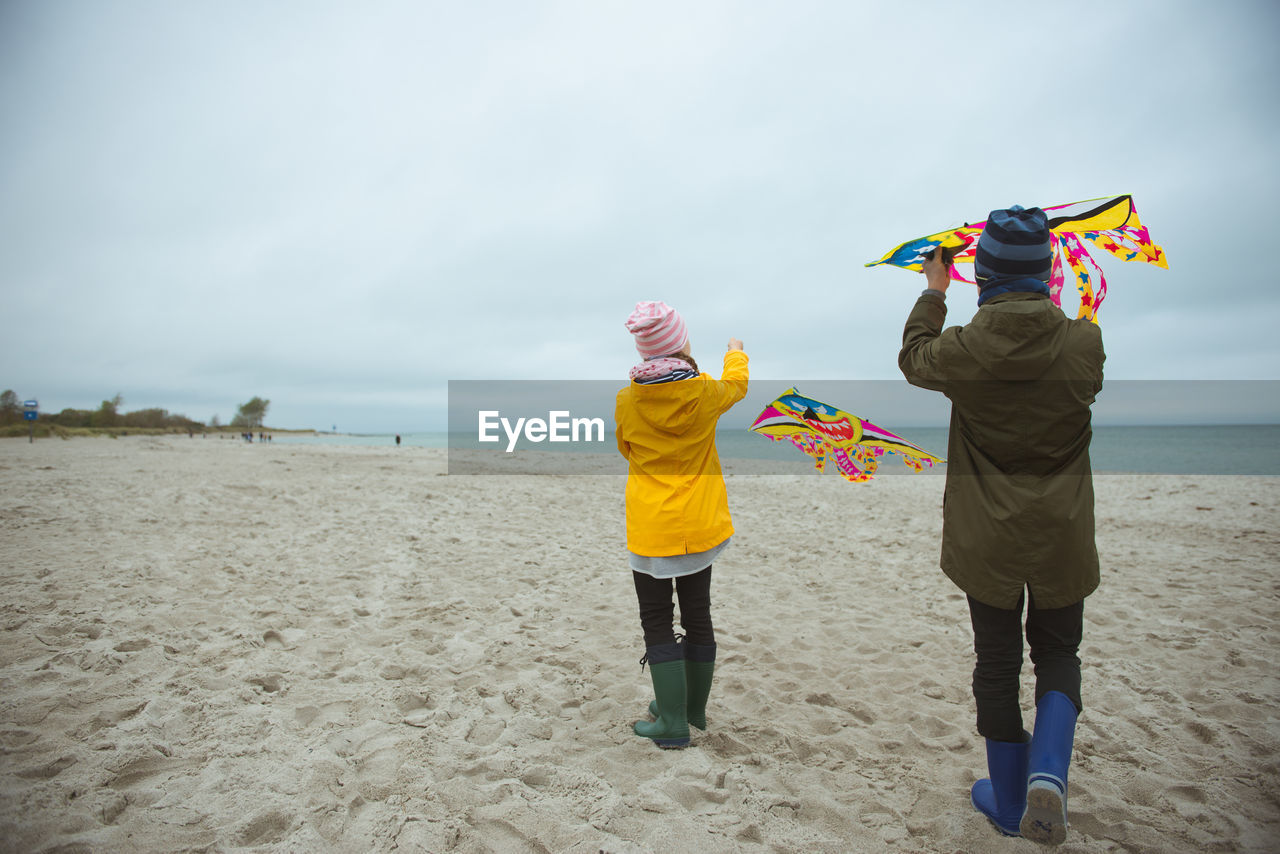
pixel 669 408
pixel 1020 336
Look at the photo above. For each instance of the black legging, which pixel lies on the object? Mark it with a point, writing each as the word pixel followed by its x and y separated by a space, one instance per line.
pixel 657 609
pixel 1054 637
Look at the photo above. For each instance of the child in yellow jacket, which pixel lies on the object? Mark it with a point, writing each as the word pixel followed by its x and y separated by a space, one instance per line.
pixel 677 509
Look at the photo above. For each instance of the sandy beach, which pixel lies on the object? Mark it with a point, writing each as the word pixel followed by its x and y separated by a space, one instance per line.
pixel 209 646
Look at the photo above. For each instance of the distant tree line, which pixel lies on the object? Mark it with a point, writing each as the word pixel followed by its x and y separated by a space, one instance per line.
pixel 109 417
pixel 250 414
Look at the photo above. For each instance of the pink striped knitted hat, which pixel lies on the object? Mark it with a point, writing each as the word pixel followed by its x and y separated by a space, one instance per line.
pixel 659 329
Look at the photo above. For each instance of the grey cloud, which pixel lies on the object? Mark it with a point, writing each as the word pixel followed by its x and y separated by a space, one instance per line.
pixel 353 204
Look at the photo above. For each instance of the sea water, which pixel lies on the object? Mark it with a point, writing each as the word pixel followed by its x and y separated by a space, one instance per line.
pixel 1161 449
pixel 1181 449
pixel 371 440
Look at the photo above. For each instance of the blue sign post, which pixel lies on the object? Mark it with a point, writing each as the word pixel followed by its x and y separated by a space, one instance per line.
pixel 30 412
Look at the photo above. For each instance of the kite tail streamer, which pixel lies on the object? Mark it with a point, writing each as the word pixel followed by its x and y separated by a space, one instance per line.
pixel 1086 272
pixel 814 447
pixel 848 468
pixel 1057 278
pixel 1130 245
pixel 868 460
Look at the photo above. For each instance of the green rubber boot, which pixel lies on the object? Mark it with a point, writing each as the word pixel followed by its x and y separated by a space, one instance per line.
pixel 670 727
pixel 699 665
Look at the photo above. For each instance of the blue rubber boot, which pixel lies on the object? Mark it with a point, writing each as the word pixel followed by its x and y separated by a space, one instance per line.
pixel 666 667
pixel 1002 798
pixel 1045 820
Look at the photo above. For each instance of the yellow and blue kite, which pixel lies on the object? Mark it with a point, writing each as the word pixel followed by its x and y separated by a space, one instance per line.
pixel 1111 224
pixel 822 430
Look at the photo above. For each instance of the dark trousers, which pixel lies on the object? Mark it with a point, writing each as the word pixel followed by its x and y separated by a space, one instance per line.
pixel 1054 637
pixel 657 609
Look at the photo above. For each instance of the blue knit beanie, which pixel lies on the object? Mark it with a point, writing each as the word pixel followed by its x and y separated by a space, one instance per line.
pixel 1014 244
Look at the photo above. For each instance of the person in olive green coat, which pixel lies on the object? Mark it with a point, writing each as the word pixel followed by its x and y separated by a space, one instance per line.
pixel 1018 520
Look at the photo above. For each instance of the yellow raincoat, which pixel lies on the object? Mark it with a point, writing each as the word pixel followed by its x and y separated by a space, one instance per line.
pixel 676 500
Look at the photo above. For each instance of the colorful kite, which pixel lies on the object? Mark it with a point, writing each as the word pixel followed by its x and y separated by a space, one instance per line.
pixel 822 430
pixel 1110 224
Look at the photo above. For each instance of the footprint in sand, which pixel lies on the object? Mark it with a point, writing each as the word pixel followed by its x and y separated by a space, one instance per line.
pixel 486 732
pixel 329 713
pixel 132 645
pixel 270 683
pixel 417 710
pixel 502 835
pixel 266 829
pixel 722 745
pixel 48 770
pixel 142 769
pixel 696 797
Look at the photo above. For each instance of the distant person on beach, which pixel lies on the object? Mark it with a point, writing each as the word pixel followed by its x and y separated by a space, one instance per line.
pixel 678 518
pixel 1017 517
pixel 397 440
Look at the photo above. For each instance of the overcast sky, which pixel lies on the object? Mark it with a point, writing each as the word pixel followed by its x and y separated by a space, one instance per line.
pixel 342 206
